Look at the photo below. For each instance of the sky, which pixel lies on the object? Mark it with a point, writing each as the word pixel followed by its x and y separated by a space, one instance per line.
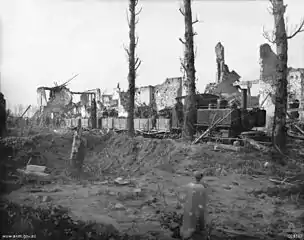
pixel 47 41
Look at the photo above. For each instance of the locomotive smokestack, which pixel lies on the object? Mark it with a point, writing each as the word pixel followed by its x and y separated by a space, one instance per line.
pixel 244 98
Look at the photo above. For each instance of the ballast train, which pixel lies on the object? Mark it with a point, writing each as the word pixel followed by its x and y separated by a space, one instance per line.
pixel 209 109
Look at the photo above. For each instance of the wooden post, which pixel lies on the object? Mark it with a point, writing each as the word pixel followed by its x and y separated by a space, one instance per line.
pixel 78 151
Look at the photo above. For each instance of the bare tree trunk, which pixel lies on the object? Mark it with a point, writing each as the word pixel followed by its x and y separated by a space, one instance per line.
pixel 279 131
pixel 133 64
pixel 3 115
pixel 132 73
pixel 188 65
pixel 280 38
pixel 93 113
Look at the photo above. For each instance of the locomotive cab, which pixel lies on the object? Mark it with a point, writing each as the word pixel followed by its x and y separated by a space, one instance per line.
pixel 235 119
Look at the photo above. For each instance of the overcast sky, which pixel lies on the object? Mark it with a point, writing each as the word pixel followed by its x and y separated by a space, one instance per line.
pixel 50 40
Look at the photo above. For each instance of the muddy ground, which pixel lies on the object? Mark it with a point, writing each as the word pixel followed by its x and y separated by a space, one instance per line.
pixel 244 202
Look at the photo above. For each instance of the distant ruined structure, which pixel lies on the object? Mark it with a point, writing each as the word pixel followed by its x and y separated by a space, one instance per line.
pixel 59 104
pixel 157 97
pixel 220 62
pixel 268 62
pixel 166 93
pixel 224 77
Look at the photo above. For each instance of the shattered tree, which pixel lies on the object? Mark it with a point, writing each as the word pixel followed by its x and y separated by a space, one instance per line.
pixel 134 63
pixel 189 67
pixel 94 112
pixel 280 39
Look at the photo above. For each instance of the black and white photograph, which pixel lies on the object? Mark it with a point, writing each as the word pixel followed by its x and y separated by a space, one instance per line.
pixel 152 119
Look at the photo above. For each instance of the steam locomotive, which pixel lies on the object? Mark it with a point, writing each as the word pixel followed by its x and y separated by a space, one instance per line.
pixel 211 108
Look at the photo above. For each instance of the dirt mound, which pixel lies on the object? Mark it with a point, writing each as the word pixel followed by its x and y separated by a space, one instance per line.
pixel 118 154
pixel 124 155
pixel 106 154
pixel 112 153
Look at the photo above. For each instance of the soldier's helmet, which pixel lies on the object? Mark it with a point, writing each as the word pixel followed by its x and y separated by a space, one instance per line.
pixel 198 176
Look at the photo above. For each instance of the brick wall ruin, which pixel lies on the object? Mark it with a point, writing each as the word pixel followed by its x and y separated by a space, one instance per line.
pixel 123 105
pixel 165 94
pixel 220 62
pixel 224 77
pixel 160 96
pixel 144 95
pixel 296 84
pixel 58 101
pixel 268 62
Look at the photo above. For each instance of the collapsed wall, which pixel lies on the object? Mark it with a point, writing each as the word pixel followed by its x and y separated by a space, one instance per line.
pixel 224 77
pixel 144 95
pixel 296 85
pixel 166 93
pixel 268 61
pixel 159 97
pixel 295 78
pixel 60 105
pixel 58 101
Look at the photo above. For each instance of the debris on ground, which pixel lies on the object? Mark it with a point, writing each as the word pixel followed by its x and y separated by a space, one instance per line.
pixel 134 184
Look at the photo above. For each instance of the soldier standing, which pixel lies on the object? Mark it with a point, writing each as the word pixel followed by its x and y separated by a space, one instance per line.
pixel 195 215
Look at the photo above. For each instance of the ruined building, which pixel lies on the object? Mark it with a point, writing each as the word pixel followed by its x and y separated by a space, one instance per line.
pixel 60 102
pixel 158 97
pixel 221 67
pixel 296 85
pixel 166 93
pixel 224 77
pixel 268 62
pixel 119 100
pixel 59 99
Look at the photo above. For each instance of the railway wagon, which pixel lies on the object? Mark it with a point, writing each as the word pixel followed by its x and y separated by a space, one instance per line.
pixel 143 124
